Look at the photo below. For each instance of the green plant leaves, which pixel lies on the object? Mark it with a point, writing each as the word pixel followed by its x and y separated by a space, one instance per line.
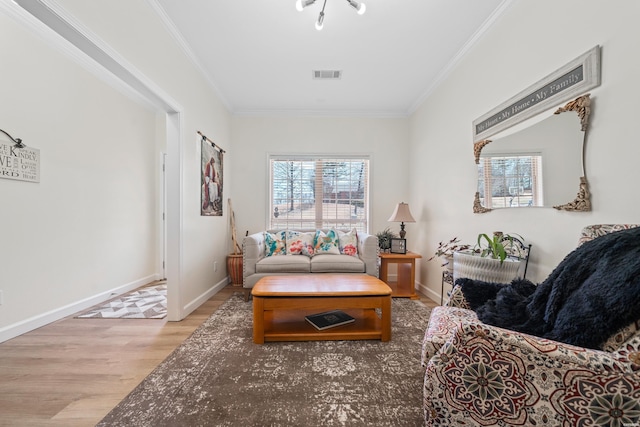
pixel 492 247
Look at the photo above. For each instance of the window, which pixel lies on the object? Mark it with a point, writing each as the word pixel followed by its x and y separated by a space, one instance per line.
pixel 510 181
pixel 311 192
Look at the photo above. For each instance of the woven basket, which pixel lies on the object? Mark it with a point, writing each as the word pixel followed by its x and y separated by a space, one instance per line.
pixel 234 268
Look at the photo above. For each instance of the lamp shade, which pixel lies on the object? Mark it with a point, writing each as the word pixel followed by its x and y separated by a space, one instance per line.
pixel 401 214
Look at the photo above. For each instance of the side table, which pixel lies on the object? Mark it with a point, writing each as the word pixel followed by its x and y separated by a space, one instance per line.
pixel 405 284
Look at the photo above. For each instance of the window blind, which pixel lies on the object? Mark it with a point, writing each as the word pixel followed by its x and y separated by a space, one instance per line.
pixel 510 181
pixel 311 192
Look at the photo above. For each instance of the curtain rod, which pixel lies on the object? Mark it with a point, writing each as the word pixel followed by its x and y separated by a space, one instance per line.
pixel 213 144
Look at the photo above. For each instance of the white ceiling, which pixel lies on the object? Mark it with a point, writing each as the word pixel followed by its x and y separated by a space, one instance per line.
pixel 259 54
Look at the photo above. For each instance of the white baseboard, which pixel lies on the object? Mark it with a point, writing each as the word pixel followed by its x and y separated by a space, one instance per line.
pixel 197 302
pixel 420 288
pixel 35 322
pixel 428 292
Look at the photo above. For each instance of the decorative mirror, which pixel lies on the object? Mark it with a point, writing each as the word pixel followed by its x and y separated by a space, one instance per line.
pixel 536 152
pixel 537 164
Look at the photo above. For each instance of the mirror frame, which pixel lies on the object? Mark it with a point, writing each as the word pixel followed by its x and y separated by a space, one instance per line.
pixel 582 203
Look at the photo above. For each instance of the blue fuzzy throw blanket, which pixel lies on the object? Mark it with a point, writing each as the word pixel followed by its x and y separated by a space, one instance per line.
pixel 591 294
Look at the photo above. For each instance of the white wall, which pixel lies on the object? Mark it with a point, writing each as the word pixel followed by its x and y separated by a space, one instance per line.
pixel 143 40
pixel 531 40
pixel 386 140
pixel 90 226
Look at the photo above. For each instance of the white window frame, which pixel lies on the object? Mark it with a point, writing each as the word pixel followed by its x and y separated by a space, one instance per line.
pixel 362 224
pixel 536 196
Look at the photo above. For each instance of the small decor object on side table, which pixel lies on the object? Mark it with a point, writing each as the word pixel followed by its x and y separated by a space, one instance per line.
pixel 398 246
pixel 384 239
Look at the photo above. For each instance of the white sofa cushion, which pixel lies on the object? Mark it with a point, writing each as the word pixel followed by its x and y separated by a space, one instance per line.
pixel 336 264
pixel 299 243
pixel 275 243
pixel 283 264
pixel 348 242
pixel 327 243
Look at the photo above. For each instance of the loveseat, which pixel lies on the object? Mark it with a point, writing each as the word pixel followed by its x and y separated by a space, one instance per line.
pixel 287 252
pixel 478 374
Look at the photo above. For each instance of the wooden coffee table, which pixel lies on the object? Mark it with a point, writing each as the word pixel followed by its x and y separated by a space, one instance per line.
pixel 280 304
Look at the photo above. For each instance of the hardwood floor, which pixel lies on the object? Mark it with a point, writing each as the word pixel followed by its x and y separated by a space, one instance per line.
pixel 74 371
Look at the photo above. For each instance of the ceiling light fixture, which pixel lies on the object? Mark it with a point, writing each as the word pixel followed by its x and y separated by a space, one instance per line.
pixel 301 4
pixel 360 7
pixel 320 21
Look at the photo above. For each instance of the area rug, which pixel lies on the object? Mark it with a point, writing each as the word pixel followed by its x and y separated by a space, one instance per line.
pixel 219 377
pixel 145 303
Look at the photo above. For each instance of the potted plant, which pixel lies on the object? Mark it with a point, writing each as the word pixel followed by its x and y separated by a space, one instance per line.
pixel 384 239
pixel 489 260
pixel 445 251
pixel 497 247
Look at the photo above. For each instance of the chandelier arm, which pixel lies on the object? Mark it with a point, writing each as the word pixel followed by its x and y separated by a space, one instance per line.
pixel 301 4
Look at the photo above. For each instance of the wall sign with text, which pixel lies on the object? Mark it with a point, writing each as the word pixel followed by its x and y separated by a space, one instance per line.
pixel 22 164
pixel 578 76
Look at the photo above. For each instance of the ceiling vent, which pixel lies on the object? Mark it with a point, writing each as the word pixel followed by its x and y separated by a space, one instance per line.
pixel 327 74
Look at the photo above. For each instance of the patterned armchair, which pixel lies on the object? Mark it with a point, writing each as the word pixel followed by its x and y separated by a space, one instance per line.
pixel 481 375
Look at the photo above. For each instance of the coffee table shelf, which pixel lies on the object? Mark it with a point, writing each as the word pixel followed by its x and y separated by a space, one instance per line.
pixel 290 325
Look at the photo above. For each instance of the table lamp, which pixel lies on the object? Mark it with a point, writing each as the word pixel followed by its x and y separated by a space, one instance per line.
pixel 401 214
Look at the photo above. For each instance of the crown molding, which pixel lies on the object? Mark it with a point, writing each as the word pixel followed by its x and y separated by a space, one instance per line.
pixel 49 20
pixel 382 114
pixel 186 49
pixel 448 69
pixel 56 41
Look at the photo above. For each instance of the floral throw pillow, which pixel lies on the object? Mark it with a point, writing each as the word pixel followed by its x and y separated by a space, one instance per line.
pixel 299 243
pixel 326 243
pixel 348 242
pixel 274 243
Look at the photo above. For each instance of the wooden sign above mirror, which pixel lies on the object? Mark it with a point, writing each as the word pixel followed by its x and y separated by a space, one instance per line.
pixel 568 82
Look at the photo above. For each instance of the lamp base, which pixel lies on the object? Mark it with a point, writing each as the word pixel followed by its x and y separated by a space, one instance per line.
pixel 402 232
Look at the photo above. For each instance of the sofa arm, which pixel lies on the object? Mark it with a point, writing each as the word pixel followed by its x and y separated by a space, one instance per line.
pixel 472 333
pixel 485 374
pixel 252 252
pixel 368 251
pixel 456 298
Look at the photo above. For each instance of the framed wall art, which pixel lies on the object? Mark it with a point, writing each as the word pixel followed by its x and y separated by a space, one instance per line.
pixel 17 161
pixel 211 178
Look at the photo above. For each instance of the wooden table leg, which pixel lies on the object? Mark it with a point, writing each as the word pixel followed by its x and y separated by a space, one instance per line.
pixel 384 270
pixel 258 320
pixel 386 318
